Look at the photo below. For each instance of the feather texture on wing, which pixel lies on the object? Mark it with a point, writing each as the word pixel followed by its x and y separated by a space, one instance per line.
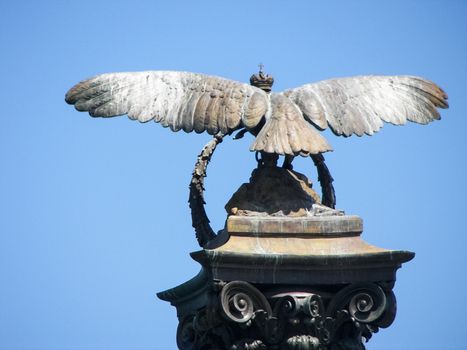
pixel 179 100
pixel 287 132
pixel 360 105
pixel 198 102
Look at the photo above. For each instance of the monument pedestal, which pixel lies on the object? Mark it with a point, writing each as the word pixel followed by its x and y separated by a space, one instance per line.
pixel 279 282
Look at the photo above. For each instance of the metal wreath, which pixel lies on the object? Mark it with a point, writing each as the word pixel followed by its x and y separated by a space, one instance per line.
pixel 199 218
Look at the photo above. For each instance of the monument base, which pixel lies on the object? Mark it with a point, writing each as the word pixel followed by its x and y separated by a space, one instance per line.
pixel 287 283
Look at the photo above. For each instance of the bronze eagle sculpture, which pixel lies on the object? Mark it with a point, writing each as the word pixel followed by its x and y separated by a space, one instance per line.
pixel 285 123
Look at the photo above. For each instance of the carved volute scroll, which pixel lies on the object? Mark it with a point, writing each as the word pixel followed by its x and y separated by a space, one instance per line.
pixel 242 317
pixel 239 301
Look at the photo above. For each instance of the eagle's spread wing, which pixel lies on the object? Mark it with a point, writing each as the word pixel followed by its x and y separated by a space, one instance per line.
pixel 360 105
pixel 286 132
pixel 178 100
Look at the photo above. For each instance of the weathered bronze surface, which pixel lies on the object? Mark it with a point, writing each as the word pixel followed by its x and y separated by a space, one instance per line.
pixel 285 123
pixel 288 271
pixel 273 191
pixel 286 275
pixel 303 250
pixel 239 315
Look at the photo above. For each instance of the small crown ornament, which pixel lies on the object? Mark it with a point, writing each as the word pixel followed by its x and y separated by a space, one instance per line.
pixel 262 80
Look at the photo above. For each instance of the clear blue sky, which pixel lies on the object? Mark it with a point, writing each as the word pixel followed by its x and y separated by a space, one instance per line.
pixel 93 213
